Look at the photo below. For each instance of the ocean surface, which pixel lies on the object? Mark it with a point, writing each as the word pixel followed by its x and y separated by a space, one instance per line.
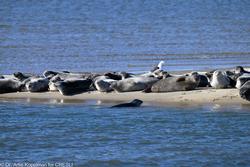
pixel 89 134
pixel 106 35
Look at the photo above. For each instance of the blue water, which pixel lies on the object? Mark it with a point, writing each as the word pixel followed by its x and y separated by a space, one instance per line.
pixel 104 35
pixel 91 135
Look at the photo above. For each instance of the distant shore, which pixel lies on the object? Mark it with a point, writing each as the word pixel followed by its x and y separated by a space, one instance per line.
pixel 201 96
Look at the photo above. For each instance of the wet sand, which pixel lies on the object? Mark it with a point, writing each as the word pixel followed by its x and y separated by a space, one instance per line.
pixel 201 96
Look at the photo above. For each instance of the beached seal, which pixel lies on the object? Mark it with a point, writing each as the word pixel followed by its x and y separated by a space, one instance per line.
pixel 21 76
pixel 69 75
pixel 73 86
pixel 245 91
pixel 221 80
pixel 242 80
pixel 239 70
pixel 134 103
pixel 118 75
pixel 49 74
pixel 103 83
pixel 133 84
pixel 204 80
pixel 52 82
pixel 9 85
pixel 178 83
pixel 37 84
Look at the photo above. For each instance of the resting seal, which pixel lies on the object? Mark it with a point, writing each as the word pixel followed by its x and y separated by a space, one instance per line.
pixel 134 103
pixel 37 84
pixel 73 86
pixel 103 83
pixel 52 82
pixel 245 91
pixel 204 80
pixel 239 70
pixel 20 76
pixel 172 84
pixel 133 84
pixel 117 75
pixel 68 75
pixel 242 80
pixel 221 80
pixel 9 85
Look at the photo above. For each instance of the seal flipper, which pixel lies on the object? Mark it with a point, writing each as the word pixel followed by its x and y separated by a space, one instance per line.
pixel 147 90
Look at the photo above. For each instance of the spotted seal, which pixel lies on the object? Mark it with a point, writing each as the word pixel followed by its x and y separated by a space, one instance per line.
pixel 176 83
pixel 73 86
pixel 103 83
pixel 38 84
pixel 9 85
pixel 245 91
pixel 133 84
pixel 242 80
pixel 221 80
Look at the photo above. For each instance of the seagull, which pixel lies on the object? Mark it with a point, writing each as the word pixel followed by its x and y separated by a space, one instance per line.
pixel 159 66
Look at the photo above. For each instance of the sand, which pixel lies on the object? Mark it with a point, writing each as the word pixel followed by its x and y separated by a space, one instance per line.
pixel 202 96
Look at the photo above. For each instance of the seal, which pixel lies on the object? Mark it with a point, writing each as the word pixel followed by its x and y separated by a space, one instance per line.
pixel 242 80
pixel 103 83
pixel 221 80
pixel 68 75
pixel 37 84
pixel 21 76
pixel 118 75
pixel 9 85
pixel 73 86
pixel 49 74
pixel 239 70
pixel 134 103
pixel 178 83
pixel 204 80
pixel 133 84
pixel 52 82
pixel 245 91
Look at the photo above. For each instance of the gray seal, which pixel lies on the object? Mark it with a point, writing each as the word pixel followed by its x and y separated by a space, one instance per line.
pixel 134 103
pixel 133 84
pixel 204 80
pixel 220 80
pixel 173 84
pixel 245 91
pixel 239 70
pixel 73 86
pixel 52 82
pixel 37 84
pixel 103 83
pixel 9 85
pixel 21 76
pixel 242 80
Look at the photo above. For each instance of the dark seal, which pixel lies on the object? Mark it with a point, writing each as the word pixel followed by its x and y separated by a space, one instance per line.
pixel 73 86
pixel 245 91
pixel 134 103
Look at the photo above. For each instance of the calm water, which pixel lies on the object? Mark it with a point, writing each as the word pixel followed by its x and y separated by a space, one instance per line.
pixel 98 35
pixel 89 134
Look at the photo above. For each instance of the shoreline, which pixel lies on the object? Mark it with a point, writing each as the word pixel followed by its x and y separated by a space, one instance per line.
pixel 195 97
